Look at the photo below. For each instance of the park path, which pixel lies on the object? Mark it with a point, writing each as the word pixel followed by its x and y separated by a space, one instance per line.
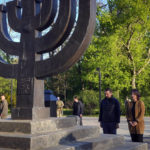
pixel 123 130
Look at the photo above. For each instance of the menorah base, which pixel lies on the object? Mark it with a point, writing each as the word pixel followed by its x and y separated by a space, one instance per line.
pixel 30 113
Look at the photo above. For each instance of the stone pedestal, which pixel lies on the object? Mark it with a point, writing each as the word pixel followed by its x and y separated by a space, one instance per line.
pixel 30 100
pixel 30 113
pixel 34 134
pixel 36 126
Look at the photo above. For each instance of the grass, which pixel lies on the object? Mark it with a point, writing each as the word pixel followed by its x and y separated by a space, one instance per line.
pixel 68 112
pixel 95 113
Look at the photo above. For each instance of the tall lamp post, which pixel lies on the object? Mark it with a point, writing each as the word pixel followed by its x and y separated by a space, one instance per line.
pixel 99 73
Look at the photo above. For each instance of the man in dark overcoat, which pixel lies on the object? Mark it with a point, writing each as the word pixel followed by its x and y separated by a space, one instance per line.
pixel 109 117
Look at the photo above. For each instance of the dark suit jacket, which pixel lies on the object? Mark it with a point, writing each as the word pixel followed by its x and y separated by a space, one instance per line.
pixel 77 111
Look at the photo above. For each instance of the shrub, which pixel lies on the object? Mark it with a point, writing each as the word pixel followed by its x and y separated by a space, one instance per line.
pixel 90 99
pixel 147 105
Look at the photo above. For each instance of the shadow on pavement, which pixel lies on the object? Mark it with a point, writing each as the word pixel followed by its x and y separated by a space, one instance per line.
pixel 71 141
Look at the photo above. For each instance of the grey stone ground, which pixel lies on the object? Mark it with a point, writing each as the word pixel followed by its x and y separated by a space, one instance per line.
pixel 123 130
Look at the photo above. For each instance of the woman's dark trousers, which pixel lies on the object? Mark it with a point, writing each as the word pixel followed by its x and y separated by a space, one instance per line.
pixel 137 137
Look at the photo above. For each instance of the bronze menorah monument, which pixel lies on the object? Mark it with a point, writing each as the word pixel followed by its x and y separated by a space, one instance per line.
pixel 30 18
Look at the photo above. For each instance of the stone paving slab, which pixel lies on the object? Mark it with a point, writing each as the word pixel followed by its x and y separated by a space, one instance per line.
pixel 98 143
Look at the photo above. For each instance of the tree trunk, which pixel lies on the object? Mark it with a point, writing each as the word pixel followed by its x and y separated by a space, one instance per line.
pixel 80 74
pixel 65 94
pixel 134 82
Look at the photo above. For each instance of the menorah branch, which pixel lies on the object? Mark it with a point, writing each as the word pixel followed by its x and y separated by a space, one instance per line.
pixel 13 20
pixel 50 40
pixel 6 44
pixel 8 70
pixel 46 15
pixel 9 47
pixel 70 25
pixel 76 45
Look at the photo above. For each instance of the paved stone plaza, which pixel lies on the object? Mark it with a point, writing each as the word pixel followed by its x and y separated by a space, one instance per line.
pixel 123 130
pixel 70 135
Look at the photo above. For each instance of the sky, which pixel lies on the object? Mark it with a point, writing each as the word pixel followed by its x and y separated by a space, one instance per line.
pixel 4 1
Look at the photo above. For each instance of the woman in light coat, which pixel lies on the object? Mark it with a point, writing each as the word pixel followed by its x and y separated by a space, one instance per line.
pixel 135 111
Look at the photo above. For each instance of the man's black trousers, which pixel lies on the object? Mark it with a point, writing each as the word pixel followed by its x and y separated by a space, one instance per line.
pixel 109 127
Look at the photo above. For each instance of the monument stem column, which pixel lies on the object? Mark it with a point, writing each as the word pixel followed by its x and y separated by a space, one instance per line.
pixel 30 91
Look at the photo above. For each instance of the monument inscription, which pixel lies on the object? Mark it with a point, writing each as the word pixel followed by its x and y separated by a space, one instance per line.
pixel 24 88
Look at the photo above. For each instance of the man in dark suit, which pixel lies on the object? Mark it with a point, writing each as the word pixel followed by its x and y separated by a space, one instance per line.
pixel 109 117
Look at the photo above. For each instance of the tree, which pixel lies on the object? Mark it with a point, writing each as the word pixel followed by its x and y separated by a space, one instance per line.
pixel 5 88
pixel 120 46
pixel 5 84
pixel 132 23
pixel 59 84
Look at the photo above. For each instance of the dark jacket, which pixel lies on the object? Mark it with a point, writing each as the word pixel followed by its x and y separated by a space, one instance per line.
pixel 110 110
pixel 77 108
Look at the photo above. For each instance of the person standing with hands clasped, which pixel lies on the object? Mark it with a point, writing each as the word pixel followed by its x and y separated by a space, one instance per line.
pixel 135 111
pixel 109 117
pixel 78 108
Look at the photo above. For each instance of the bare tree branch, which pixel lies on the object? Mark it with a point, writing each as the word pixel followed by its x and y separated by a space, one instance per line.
pixel 147 62
pixel 127 47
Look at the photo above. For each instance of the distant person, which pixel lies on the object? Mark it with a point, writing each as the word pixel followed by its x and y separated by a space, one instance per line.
pixel 3 107
pixel 109 117
pixel 60 105
pixel 135 111
pixel 78 108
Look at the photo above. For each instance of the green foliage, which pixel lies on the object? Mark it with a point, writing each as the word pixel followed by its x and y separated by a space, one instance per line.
pixel 120 46
pixel 147 104
pixel 122 106
pixel 67 112
pixel 90 100
pixel 6 84
pixel 5 89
